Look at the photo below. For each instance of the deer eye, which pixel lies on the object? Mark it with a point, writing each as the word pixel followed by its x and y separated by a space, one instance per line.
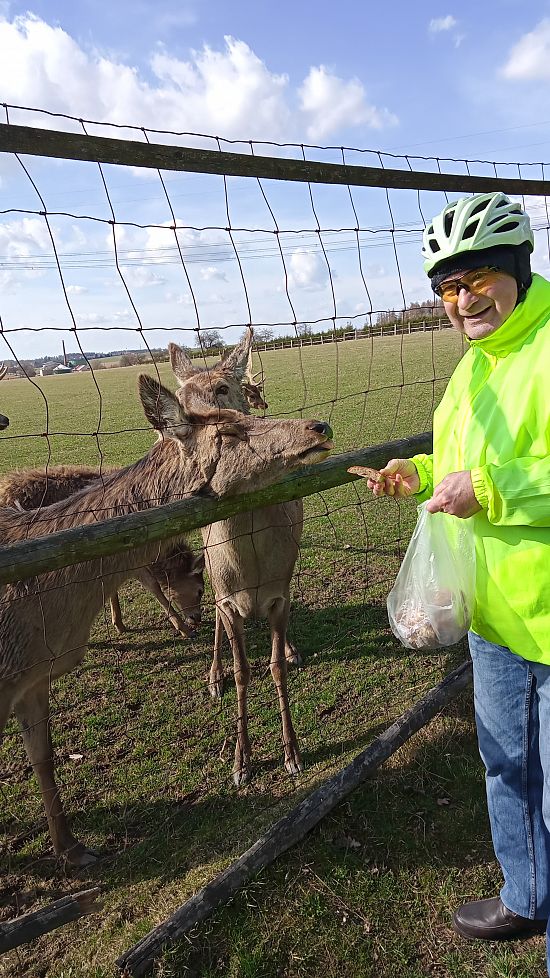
pixel 222 389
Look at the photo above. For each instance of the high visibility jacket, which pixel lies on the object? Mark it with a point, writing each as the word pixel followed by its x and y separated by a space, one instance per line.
pixel 494 420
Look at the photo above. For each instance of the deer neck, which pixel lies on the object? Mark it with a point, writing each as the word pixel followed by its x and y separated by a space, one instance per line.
pixel 165 474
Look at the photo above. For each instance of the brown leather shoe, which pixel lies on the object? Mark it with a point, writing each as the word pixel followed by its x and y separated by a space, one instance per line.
pixel 490 920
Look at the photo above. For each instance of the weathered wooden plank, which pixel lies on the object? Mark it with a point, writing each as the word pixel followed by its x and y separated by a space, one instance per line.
pixel 26 928
pixel 23 560
pixel 289 830
pixel 128 152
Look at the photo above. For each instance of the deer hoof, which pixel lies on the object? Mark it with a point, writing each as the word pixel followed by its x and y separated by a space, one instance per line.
pixel 242 768
pixel 293 763
pixel 121 629
pixel 242 776
pixel 216 688
pixel 293 658
pixel 80 855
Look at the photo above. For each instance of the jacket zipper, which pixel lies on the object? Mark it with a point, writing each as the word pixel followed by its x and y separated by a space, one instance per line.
pixel 466 415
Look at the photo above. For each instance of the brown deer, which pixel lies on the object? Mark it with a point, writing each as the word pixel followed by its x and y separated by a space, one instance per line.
pixel 4 422
pixel 45 623
pixel 175 579
pixel 250 558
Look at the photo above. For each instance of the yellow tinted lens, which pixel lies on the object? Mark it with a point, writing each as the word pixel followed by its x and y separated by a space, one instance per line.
pixel 481 279
pixel 477 281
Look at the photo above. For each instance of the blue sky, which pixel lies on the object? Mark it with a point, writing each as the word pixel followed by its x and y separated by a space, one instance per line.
pixel 468 81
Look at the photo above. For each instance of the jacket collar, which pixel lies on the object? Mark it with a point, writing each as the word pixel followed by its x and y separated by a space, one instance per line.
pixel 526 317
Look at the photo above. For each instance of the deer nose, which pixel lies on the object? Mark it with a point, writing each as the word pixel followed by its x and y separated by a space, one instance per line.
pixel 321 427
pixel 4 422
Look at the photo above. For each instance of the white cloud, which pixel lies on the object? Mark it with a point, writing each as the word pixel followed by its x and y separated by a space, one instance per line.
pixel 529 58
pixel 77 289
pixel 25 237
pixel 141 278
pixel 209 273
pixel 438 24
pixel 306 270
pixel 98 318
pixel 230 91
pixel 330 103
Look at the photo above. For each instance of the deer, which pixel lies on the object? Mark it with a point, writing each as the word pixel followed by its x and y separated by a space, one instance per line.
pixel 175 579
pixel 250 558
pixel 4 421
pixel 45 623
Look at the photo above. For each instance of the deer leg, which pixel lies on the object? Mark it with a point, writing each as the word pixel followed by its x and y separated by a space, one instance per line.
pixel 292 656
pixel 32 712
pixel 215 682
pixel 278 621
pixel 234 627
pixel 150 584
pixel 116 615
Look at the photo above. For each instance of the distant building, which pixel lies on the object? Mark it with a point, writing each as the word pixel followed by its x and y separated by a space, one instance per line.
pixel 46 370
pixel 62 369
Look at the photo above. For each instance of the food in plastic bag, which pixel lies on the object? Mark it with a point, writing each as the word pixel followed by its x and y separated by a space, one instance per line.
pixel 432 600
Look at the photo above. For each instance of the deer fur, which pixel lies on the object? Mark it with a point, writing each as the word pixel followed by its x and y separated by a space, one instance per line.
pixel 45 623
pixel 250 558
pixel 175 579
pixel 4 421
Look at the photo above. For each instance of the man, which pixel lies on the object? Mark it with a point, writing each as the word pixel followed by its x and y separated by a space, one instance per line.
pixel 491 463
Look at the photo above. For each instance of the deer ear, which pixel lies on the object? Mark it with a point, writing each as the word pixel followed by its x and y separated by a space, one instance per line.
pixel 181 363
pixel 232 429
pixel 240 359
pixel 161 408
pixel 197 565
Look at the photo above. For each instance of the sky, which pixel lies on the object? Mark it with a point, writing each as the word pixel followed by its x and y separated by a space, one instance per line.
pixel 432 79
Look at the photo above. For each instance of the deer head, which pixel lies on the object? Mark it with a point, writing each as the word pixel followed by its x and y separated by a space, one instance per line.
pixel 234 452
pixel 229 383
pixel 4 421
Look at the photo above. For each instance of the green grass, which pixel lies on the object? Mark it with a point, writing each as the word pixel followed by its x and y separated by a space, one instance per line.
pixel 371 890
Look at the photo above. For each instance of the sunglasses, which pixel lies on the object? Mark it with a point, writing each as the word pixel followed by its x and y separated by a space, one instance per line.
pixel 479 280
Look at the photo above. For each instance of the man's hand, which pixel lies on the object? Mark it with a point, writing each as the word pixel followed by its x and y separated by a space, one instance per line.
pixel 398 478
pixel 455 495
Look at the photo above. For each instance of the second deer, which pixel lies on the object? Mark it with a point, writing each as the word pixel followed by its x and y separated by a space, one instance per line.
pixel 250 558
pixel 175 579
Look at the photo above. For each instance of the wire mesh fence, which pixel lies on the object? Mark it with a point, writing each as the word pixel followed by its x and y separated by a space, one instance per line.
pixel 111 249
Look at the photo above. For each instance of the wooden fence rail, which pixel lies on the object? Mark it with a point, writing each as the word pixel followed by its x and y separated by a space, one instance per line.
pixel 24 560
pixel 129 152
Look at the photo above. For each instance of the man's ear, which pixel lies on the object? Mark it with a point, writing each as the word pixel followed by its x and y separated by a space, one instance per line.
pixel 239 361
pixel 181 363
pixel 161 408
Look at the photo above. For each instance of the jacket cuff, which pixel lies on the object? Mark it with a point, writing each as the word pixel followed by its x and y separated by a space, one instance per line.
pixel 422 474
pixel 479 482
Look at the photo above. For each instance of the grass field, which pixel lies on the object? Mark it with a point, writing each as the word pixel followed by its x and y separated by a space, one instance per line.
pixel 370 892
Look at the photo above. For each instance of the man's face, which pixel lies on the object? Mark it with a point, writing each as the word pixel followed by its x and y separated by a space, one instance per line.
pixel 477 315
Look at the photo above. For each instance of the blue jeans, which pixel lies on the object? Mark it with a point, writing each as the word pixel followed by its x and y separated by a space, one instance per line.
pixel 512 710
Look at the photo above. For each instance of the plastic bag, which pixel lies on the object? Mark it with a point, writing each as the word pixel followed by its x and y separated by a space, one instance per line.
pixel 432 600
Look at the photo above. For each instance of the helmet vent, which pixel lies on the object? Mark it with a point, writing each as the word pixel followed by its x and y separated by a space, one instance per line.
pixel 448 222
pixel 511 226
pixel 471 230
pixel 480 207
pixel 434 246
pixel 502 203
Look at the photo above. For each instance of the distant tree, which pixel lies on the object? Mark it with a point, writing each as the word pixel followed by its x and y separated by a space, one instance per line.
pixel 28 368
pixel 263 334
pixel 210 339
pixel 304 329
pixel 128 360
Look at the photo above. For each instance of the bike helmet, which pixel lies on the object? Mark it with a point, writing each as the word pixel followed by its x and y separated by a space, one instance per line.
pixel 474 224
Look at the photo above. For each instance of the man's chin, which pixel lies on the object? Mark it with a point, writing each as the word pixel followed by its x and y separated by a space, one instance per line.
pixel 478 329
